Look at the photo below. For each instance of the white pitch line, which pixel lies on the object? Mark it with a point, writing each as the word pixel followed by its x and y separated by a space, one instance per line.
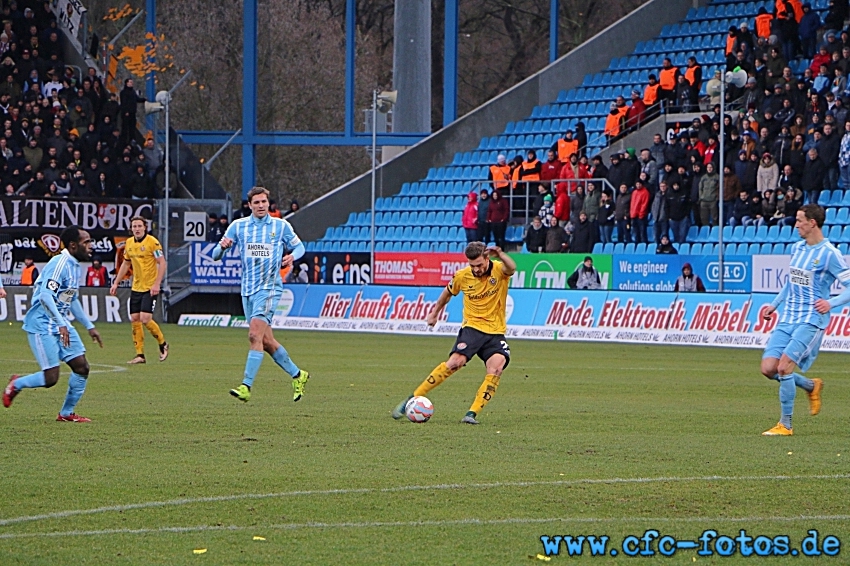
pixel 438 487
pixel 112 369
pixel 441 523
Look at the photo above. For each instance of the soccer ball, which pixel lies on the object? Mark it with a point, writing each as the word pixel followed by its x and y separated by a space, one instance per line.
pixel 419 409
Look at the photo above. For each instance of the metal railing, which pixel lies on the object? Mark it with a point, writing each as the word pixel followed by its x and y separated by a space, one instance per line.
pixel 520 196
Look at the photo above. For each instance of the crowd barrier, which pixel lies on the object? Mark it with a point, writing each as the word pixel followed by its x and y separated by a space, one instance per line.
pixel 695 319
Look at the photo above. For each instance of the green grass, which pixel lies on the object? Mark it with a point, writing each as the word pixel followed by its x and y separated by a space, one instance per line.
pixel 566 414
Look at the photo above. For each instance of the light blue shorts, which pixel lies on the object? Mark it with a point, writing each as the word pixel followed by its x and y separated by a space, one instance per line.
pixel 49 351
pixel 262 304
pixel 800 342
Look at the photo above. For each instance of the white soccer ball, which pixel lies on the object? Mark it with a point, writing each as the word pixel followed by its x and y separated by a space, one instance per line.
pixel 419 409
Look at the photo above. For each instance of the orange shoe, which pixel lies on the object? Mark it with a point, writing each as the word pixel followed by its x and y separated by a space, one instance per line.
pixel 779 430
pixel 814 396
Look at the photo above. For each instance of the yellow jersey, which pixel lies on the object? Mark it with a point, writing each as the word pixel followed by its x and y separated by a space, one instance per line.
pixel 143 255
pixel 484 298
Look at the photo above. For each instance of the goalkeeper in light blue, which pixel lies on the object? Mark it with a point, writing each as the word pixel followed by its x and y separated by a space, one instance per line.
pixel 805 303
pixel 52 338
pixel 265 244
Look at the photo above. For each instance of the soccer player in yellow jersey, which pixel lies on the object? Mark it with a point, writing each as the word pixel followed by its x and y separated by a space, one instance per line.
pixel 144 253
pixel 484 284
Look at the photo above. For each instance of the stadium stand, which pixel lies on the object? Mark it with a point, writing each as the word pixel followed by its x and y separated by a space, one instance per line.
pixel 64 134
pixel 426 215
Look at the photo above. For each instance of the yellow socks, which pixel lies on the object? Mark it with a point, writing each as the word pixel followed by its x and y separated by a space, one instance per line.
pixel 138 337
pixel 153 328
pixel 485 393
pixel 439 375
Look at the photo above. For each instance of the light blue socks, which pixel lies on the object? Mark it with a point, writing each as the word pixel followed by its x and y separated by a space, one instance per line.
pixel 76 388
pixel 281 358
pixel 30 381
pixel 252 366
pixel 787 393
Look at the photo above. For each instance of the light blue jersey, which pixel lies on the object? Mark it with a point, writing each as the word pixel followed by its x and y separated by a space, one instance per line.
pixel 262 244
pixel 812 272
pixel 60 278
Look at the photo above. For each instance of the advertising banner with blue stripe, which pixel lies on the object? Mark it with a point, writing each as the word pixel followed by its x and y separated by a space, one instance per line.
pixel 659 272
pixel 697 319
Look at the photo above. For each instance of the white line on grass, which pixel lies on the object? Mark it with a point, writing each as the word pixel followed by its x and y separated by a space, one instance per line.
pixel 438 487
pixel 447 522
pixel 111 368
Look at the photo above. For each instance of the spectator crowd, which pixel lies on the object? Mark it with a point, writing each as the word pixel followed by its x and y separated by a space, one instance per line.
pixel 63 134
pixel 786 139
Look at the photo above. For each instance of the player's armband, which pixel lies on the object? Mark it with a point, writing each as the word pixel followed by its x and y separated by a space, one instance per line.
pixel 157 254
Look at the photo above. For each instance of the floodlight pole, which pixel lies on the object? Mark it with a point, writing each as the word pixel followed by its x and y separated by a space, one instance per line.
pixel 374 166
pixel 720 184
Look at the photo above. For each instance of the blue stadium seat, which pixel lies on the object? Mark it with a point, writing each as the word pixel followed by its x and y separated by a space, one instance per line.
pixel 834 234
pixel 598 247
pixel 845 234
pixel 761 234
pixel 630 248
pixel 843 216
pixel 749 234
pixel 766 249
pixel 608 248
pixel 696 249
pixel 619 247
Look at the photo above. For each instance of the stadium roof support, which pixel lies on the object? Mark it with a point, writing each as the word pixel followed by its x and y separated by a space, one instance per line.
pixel 250 137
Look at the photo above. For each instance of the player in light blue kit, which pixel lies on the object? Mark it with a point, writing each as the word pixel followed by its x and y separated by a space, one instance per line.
pixel 51 337
pixel 263 241
pixel 815 265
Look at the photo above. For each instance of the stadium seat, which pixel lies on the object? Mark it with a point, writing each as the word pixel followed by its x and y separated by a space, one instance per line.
pixel 619 247
pixel 630 248
pixel 598 248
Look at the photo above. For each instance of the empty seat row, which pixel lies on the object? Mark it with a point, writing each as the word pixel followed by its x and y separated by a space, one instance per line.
pixel 416 204
pixel 405 218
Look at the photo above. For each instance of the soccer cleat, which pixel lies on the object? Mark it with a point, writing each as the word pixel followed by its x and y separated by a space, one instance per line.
pixel 814 396
pixel 139 359
pixel 469 419
pixel 242 393
pixel 298 384
pixel 163 351
pixel 779 430
pixel 10 392
pixel 398 411
pixel 73 418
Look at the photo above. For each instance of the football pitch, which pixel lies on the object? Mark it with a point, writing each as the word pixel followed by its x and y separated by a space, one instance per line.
pixel 602 440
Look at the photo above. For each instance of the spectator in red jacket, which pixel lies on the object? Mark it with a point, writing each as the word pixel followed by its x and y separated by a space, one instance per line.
pixel 562 205
pixel 497 217
pixel 573 169
pixel 636 115
pixel 551 169
pixel 470 217
pixel 96 275
pixel 639 213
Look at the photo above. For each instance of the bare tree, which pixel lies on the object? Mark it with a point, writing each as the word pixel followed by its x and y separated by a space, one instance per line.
pixel 301 69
